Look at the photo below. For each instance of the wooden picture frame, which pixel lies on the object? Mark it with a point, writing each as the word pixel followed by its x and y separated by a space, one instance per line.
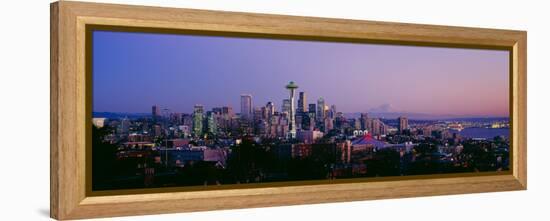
pixel 69 198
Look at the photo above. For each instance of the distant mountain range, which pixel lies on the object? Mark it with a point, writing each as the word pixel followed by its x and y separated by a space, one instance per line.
pixel 417 116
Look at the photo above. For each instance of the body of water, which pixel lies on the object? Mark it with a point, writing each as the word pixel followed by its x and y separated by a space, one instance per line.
pixel 487 133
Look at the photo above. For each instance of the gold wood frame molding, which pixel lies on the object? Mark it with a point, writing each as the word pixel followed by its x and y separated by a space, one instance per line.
pixel 69 82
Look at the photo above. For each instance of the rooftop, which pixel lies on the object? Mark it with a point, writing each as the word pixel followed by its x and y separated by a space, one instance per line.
pixel 368 140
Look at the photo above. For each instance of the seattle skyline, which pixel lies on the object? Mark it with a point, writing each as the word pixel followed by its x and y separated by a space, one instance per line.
pixel 214 111
pixel 132 71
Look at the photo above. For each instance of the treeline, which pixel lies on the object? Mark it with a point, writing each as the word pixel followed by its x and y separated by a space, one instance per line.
pixel 270 161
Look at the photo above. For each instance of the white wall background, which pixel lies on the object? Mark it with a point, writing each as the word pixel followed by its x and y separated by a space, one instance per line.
pixel 24 109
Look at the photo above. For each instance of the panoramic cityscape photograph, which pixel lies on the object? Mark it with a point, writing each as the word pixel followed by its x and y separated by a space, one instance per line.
pixel 182 110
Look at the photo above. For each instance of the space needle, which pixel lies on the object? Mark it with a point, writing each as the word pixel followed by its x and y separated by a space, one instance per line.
pixel 292 124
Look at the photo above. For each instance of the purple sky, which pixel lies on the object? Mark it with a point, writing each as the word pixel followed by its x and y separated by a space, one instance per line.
pixel 133 71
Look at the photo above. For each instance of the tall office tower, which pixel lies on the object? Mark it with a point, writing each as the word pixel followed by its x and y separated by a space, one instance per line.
pixel 312 108
pixel 165 113
pixel 374 126
pixel 328 125
pixel 383 128
pixel 292 124
pixel 320 109
pixel 332 112
pixel 312 114
pixel 300 120
pixel 125 125
pixel 227 111
pixel 257 114
pixel 356 124
pixel 265 114
pixel 246 106
pixel 157 130
pixel 155 112
pixel 403 124
pixel 198 115
pixel 311 121
pixel 363 121
pixel 339 120
pixel 286 106
pixel 211 122
pixel 187 120
pixel 302 103
pixel 224 120
pixel 270 108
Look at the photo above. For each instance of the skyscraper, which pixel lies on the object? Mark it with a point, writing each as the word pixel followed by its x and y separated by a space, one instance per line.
pixel 403 124
pixel 328 125
pixel 292 124
pixel 312 116
pixel 257 114
pixel 312 108
pixel 302 103
pixel 155 112
pixel 374 126
pixel 157 130
pixel 225 120
pixel 270 109
pixel 246 106
pixel 332 112
pixel 363 120
pixel 227 111
pixel 320 109
pixel 125 125
pixel 212 124
pixel 198 115
pixel 286 106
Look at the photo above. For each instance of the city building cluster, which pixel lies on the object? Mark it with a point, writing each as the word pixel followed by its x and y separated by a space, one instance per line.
pixel 293 141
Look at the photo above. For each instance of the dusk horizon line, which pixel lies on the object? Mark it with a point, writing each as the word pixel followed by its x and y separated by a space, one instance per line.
pixel 404 114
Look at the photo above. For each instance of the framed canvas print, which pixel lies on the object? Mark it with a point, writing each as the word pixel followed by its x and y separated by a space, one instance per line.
pixel 160 110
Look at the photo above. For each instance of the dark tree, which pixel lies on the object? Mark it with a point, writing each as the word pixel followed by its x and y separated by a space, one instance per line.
pixel 479 155
pixel 103 158
pixel 386 162
pixel 247 161
pixel 318 165
pixel 427 160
